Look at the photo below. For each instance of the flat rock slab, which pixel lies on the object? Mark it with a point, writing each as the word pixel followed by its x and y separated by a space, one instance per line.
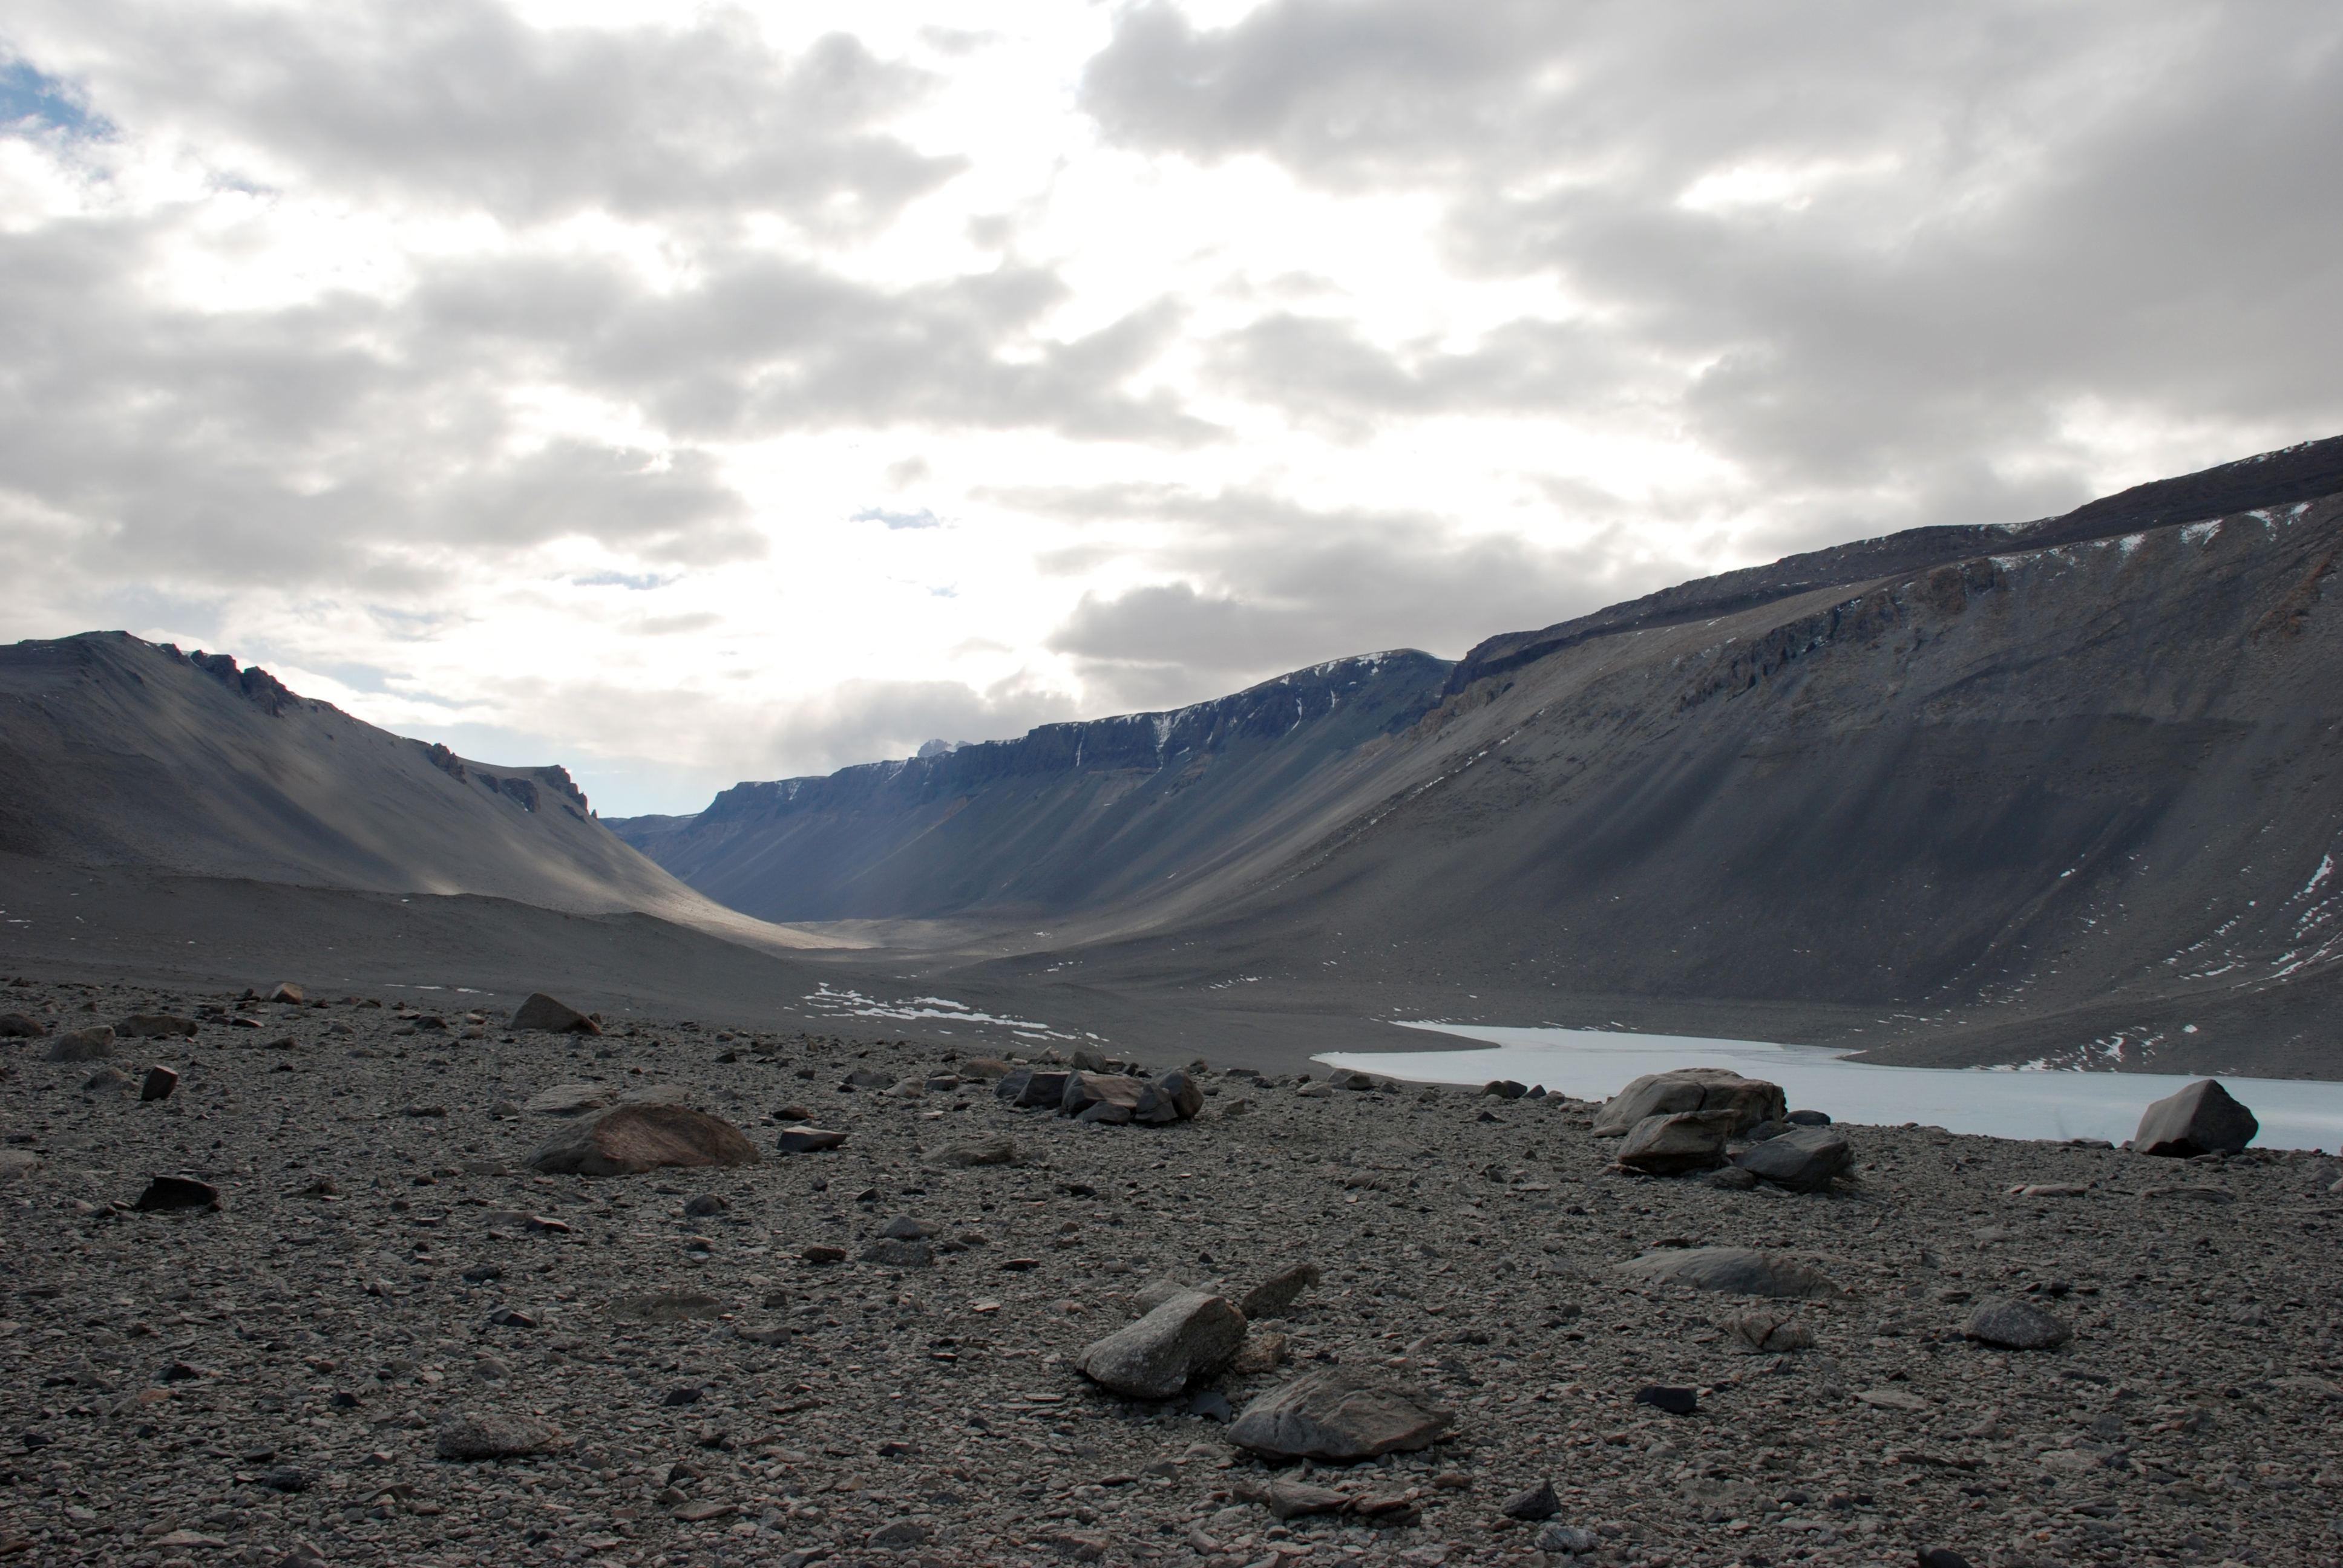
pixel 632 1139
pixel 665 1307
pixel 2016 1326
pixel 810 1139
pixel 1341 1415
pixel 2202 1119
pixel 1735 1270
pixel 475 1436
pixel 1294 1499
pixel 1803 1160
pixel 970 1151
pixel 569 1098
pixel 1191 1335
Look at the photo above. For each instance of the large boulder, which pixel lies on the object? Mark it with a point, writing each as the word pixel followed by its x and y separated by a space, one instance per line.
pixel 1803 1160
pixel 1338 1415
pixel 2016 1326
pixel 1030 1086
pixel 1671 1145
pixel 2202 1119
pixel 630 1139
pixel 540 1011
pixel 21 1026
pixel 94 1044
pixel 1084 1091
pixel 1733 1271
pixel 1174 1097
pixel 1193 1334
pixel 1751 1099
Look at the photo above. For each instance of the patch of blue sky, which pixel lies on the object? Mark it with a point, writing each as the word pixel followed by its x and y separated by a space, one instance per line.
pixel 922 519
pixel 640 582
pixel 34 103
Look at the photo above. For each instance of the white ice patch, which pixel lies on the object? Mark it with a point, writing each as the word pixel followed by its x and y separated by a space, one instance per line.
pixel 2129 544
pixel 2201 533
pixel 854 1005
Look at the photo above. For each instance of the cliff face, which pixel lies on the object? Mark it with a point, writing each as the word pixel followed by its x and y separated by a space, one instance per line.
pixel 1069 817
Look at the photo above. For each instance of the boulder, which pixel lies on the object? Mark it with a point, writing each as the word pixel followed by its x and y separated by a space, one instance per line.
pixel 2016 1326
pixel 810 1139
pixel 991 1148
pixel 1030 1086
pixel 286 991
pixel 631 1139
pixel 1733 1271
pixel 1537 1503
pixel 1105 1113
pixel 1803 1160
pixel 1673 1144
pixel 153 1025
pixel 473 1436
pixel 160 1082
pixel 1088 1060
pixel 164 1193
pixel 1084 1090
pixel 540 1011
pixel 1174 1097
pixel 91 1044
pixel 1272 1296
pixel 105 1080
pixel 21 1026
pixel 1193 1334
pixel 569 1098
pixel 890 1252
pixel 1751 1099
pixel 1765 1333
pixel 1808 1119
pixel 2202 1119
pixel 1505 1089
pixel 1340 1416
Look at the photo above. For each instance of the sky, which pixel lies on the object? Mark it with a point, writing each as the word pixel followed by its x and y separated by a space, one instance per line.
pixel 687 395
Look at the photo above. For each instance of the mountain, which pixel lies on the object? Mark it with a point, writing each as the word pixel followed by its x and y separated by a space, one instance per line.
pixel 120 754
pixel 1071 817
pixel 2062 790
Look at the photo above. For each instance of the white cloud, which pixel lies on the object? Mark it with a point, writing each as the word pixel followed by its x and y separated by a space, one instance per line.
pixel 747 392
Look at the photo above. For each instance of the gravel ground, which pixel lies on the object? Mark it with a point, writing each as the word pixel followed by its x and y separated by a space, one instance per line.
pixel 265 1382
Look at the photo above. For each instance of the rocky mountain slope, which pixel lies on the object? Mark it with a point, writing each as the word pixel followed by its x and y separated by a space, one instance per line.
pixel 1070 816
pixel 120 754
pixel 2061 791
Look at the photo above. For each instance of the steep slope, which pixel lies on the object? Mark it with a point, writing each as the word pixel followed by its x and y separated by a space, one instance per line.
pixel 117 753
pixel 1070 816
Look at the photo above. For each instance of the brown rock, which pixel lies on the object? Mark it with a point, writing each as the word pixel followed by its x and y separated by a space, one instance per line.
pixel 93 1044
pixel 287 992
pixel 164 1193
pixel 1686 1089
pixel 1293 1499
pixel 1733 1271
pixel 993 1149
pixel 21 1026
pixel 1085 1089
pixel 540 1011
pixel 1193 1334
pixel 1673 1144
pixel 474 1436
pixel 808 1140
pixel 631 1139
pixel 1337 1414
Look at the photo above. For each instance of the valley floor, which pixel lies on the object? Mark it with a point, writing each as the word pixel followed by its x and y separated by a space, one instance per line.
pixel 264 1382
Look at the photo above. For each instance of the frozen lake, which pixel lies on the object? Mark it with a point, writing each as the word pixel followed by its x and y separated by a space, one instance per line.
pixel 1591 1064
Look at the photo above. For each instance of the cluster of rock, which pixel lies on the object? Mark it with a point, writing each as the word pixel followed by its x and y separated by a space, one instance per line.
pixel 1089 1092
pixel 1708 1119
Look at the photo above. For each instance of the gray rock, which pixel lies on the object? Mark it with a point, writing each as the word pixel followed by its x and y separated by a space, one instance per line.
pixel 1155 1293
pixel 93 1044
pixel 570 1098
pixel 106 1080
pixel 1671 1144
pixel 1174 1097
pixel 1687 1089
pixel 1338 1415
pixel 153 1025
pixel 2016 1326
pixel 540 1011
pixel 868 1077
pixel 1733 1179
pixel 1105 1113
pixel 160 1082
pixel 704 1205
pixel 1084 1091
pixel 1765 1130
pixel 1505 1089
pixel 1538 1502
pixel 1733 1271
pixel 1275 1295
pixel 468 1435
pixel 1803 1160
pixel 808 1140
pixel 1808 1119
pixel 903 1228
pixel 890 1252
pixel 1568 1539
pixel 991 1150
pixel 2202 1119
pixel 1293 1499
pixel 1193 1334
pixel 1088 1060
pixel 896 1534
pixel 21 1026
pixel 1034 1086
pixel 1765 1333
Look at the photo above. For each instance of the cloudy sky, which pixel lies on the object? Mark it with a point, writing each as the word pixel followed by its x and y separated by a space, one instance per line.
pixel 735 393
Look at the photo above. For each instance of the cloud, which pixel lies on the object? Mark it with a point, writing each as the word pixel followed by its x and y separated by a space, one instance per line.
pixel 922 519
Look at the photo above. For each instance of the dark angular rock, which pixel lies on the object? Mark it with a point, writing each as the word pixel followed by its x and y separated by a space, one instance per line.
pixel 2202 1119
pixel 705 1204
pixel 540 1011
pixel 1505 1089
pixel 1338 1415
pixel 903 1228
pixel 1803 1160
pixel 1174 1097
pixel 1029 1086
pixel 1671 1144
pixel 1733 1179
pixel 1538 1502
pixel 2016 1326
pixel 1808 1119
pixel 1942 1557
pixel 1084 1090
pixel 808 1140
pixel 286 991
pixel 1675 1401
pixel 1272 1296
pixel 889 1252
pixel 168 1193
pixel 1193 1334
pixel 160 1082
pixel 1105 1113
pixel 631 1139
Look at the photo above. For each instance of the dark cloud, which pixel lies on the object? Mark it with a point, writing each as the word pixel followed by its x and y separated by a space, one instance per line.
pixel 458 103
pixel 1258 584
pixel 1997 219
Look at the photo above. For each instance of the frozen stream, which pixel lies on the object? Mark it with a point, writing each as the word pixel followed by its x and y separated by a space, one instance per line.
pixel 1591 1064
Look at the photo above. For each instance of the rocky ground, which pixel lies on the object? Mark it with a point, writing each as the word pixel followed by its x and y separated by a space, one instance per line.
pixel 268 1381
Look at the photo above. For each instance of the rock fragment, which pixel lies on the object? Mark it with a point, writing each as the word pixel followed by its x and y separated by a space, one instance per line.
pixel 1174 1097
pixel 964 1154
pixel 1733 1271
pixel 540 1011
pixel 808 1140
pixel 2016 1326
pixel 1193 1334
pixel 1085 1091
pixel 286 991
pixel 160 1082
pixel 2202 1119
pixel 471 1436
pixel 1275 1295
pixel 1803 1160
pixel 1537 1503
pixel 569 1098
pixel 631 1139
pixel 1294 1499
pixel 166 1193
pixel 1338 1415
pixel 1765 1333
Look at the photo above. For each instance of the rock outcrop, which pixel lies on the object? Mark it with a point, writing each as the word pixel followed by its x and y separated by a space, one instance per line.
pixel 631 1139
